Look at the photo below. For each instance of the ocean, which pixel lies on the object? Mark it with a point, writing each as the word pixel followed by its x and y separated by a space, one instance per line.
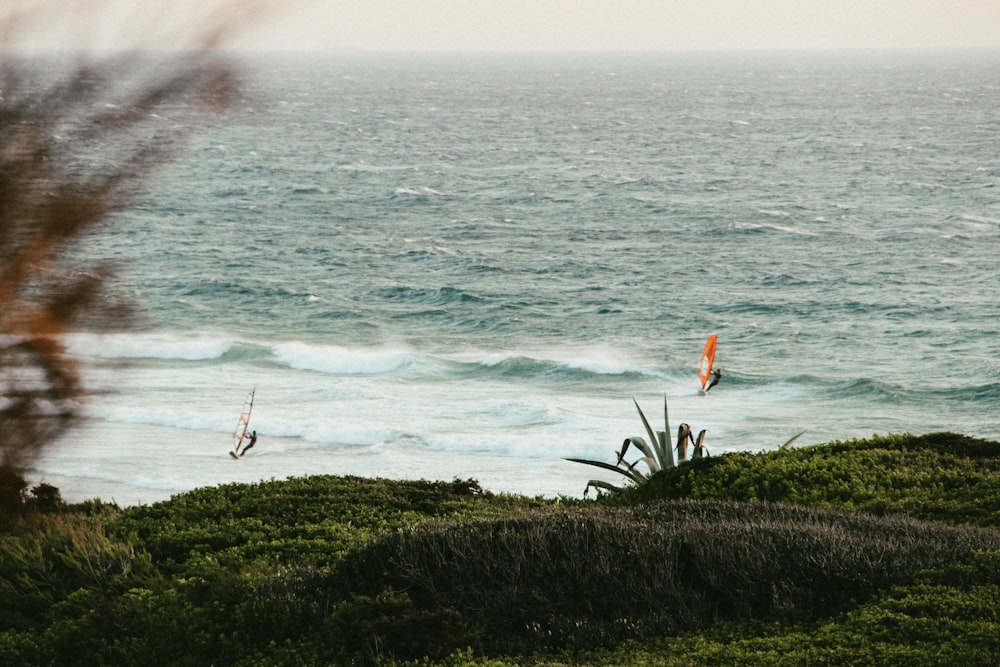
pixel 468 266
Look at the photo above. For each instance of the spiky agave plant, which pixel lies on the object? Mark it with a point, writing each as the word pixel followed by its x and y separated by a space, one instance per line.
pixel 657 453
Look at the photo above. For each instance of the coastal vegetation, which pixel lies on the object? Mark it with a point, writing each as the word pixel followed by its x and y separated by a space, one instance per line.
pixel 657 454
pixel 875 551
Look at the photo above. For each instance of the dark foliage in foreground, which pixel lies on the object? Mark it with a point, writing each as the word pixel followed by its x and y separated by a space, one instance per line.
pixel 939 476
pixel 331 570
pixel 944 617
pixel 586 577
pixel 78 140
pixel 308 521
pixel 212 576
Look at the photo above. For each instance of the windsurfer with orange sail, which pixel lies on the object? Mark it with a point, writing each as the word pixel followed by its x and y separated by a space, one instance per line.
pixel 705 366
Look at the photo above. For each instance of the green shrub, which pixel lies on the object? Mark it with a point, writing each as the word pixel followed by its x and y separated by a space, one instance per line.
pixel 331 570
pixel 657 453
pixel 304 520
pixel 947 617
pixel 373 629
pixel 46 559
pixel 941 476
pixel 587 577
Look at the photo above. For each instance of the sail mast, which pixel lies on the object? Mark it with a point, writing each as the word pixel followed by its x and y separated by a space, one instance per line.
pixel 243 424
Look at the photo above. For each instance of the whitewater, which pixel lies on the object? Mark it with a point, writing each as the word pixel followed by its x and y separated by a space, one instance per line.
pixel 445 267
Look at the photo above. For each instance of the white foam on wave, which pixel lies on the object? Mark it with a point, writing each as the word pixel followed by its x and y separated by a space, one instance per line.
pixel 147 346
pixel 312 422
pixel 601 360
pixel 538 426
pixel 341 360
pixel 515 414
pixel 597 359
pixel 319 415
pixel 418 192
pixel 749 226
pixel 980 221
pixel 332 430
pixel 163 414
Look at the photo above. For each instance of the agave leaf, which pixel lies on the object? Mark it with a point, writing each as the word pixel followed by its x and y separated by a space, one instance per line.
pixel 598 484
pixel 683 436
pixel 643 446
pixel 664 450
pixel 666 422
pixel 649 430
pixel 650 463
pixel 683 433
pixel 788 443
pixel 699 446
pixel 625 446
pixel 631 474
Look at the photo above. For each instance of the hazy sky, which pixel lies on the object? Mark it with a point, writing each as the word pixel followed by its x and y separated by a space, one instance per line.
pixel 619 25
pixel 540 25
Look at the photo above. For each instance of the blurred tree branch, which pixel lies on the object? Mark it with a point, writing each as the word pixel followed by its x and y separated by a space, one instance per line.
pixel 80 137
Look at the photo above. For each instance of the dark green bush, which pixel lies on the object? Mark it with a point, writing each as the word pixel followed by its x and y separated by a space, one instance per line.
pixel 940 477
pixel 305 520
pixel 45 559
pixel 947 617
pixel 369 629
pixel 330 570
pixel 586 577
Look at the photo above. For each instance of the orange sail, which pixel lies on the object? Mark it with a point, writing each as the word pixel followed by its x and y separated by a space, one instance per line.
pixel 707 359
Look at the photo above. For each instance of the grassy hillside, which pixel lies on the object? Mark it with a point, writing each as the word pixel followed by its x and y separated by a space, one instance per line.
pixel 740 559
pixel 941 477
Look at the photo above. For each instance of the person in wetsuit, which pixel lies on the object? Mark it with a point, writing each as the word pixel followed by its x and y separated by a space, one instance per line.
pixel 253 441
pixel 716 376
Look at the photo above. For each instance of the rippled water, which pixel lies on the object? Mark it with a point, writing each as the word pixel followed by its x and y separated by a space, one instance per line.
pixel 447 266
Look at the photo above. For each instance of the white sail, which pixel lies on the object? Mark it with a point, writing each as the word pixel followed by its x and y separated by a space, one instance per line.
pixel 243 425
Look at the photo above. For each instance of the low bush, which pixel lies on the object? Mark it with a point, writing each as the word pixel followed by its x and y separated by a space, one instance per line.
pixel 303 520
pixel 588 577
pixel 940 476
pixel 946 617
pixel 44 560
pixel 337 570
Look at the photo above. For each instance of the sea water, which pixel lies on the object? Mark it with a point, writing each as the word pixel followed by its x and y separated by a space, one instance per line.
pixel 469 266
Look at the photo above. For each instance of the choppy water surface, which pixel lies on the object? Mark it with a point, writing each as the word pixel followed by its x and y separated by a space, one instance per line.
pixel 468 266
